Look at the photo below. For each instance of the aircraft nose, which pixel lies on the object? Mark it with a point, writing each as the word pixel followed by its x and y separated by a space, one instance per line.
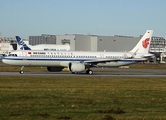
pixel 4 61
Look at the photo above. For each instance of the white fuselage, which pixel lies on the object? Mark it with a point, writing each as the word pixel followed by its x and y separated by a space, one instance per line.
pixel 63 58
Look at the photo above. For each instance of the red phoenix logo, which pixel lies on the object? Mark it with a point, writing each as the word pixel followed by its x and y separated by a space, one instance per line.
pixel 145 43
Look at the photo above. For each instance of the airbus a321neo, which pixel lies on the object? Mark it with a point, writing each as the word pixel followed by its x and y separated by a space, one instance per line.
pixel 78 61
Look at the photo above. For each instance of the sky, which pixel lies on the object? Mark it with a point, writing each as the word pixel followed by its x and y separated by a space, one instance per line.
pixel 95 17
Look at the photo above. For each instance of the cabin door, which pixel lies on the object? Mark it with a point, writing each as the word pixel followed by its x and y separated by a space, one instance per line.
pixel 24 54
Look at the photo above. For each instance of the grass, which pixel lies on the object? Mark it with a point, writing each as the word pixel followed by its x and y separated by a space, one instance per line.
pixel 82 98
pixel 148 66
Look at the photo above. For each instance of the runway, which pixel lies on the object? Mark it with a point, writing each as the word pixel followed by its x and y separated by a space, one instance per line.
pixel 112 72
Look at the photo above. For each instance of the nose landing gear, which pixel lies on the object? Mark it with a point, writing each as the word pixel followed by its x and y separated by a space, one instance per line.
pixel 22 71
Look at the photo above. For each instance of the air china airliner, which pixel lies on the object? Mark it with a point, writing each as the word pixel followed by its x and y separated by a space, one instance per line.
pixel 41 46
pixel 78 61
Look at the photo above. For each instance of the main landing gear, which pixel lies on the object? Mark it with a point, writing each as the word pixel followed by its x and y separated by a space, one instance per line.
pixel 90 72
pixel 22 71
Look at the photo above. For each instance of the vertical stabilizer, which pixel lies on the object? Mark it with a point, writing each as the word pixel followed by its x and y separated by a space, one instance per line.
pixel 21 43
pixel 144 43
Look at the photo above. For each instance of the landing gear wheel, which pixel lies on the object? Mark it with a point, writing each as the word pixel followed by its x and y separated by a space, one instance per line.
pixel 21 71
pixel 90 72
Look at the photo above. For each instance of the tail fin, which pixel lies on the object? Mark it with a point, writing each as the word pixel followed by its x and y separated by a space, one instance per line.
pixel 144 43
pixel 21 43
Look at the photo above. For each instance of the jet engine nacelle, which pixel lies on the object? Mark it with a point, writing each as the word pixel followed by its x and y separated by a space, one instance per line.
pixel 76 67
pixel 54 69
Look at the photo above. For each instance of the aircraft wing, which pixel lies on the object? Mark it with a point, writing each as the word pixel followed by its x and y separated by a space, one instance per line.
pixel 96 61
pixel 101 60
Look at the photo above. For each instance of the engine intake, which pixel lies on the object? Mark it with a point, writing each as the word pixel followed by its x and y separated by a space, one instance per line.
pixel 76 67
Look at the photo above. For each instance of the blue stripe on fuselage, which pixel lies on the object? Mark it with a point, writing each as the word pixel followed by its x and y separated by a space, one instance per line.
pixel 68 59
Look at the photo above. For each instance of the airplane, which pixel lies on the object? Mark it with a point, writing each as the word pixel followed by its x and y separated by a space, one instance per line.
pixel 41 46
pixel 79 61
